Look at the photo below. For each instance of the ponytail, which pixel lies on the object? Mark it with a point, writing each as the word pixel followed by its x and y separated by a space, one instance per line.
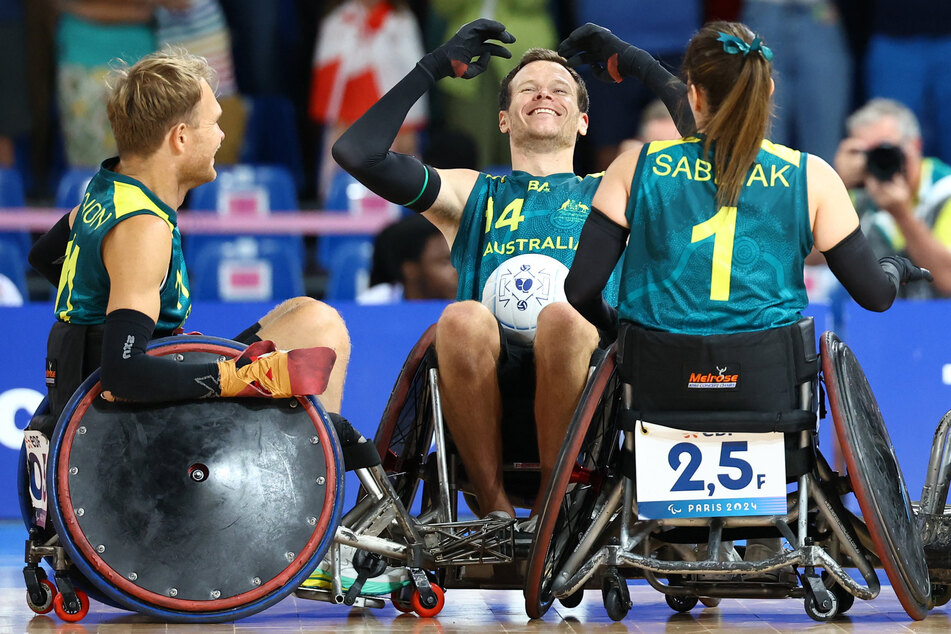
pixel 733 69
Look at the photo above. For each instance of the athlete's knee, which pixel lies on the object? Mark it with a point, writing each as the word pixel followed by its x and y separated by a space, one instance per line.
pixel 324 319
pixel 559 324
pixel 467 334
pixel 464 323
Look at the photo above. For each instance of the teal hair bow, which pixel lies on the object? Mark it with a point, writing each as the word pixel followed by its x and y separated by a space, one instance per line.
pixel 734 45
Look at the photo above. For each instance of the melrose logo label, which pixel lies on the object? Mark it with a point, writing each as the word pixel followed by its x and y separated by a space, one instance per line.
pixel 722 377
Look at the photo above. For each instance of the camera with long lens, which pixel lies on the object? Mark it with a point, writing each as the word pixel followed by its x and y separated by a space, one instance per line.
pixel 884 161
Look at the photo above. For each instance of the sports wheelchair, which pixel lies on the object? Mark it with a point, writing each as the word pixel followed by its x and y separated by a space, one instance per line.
pixel 604 519
pixel 198 512
pixel 408 509
pixel 140 506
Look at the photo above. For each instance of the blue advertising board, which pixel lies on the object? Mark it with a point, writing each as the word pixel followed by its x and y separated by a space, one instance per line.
pixel 905 352
pixel 381 338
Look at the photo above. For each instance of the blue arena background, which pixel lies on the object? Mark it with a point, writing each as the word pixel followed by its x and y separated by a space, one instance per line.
pixel 905 352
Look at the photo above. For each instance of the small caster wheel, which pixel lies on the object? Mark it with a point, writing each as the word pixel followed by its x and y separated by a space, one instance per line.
pixel 843 598
pixel 615 604
pixel 680 603
pixel 71 616
pixel 710 602
pixel 49 593
pixel 573 600
pixel 417 604
pixel 400 603
pixel 940 594
pixel 816 613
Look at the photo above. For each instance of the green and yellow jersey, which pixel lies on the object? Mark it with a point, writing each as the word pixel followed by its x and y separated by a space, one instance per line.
pixel 83 293
pixel 507 216
pixel 693 267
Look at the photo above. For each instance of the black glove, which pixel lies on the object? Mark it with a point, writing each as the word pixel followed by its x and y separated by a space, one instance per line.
pixel 901 269
pixel 602 50
pixel 454 58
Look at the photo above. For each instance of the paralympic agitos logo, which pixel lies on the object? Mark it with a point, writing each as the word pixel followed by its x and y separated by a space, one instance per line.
pixel 719 377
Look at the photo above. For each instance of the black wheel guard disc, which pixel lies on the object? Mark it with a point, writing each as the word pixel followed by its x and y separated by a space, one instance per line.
pixel 875 475
pixel 199 501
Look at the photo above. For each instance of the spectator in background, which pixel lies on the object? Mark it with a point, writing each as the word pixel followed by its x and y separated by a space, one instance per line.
pixel 14 107
pixel 812 60
pixel 907 60
pixel 260 31
pixel 656 125
pixel 410 261
pixel 472 106
pixel 363 49
pixel 903 198
pixel 90 34
pixel 199 27
pixel 664 33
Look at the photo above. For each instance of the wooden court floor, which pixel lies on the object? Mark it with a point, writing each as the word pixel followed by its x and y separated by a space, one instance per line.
pixel 485 611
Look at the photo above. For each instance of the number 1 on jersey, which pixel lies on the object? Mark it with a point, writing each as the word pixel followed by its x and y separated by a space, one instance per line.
pixel 722 227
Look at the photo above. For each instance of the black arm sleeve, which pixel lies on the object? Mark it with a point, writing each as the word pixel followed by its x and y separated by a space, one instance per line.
pixel 131 374
pixel 600 246
pixel 364 149
pixel 46 256
pixel 871 284
pixel 668 88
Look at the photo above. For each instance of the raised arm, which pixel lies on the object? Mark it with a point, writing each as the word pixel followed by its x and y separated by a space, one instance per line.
pixel 612 59
pixel 872 283
pixel 364 149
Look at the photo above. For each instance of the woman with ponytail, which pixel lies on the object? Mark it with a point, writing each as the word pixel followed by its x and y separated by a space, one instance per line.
pixel 714 227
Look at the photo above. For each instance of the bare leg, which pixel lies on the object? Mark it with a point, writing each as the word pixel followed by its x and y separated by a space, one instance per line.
pixel 468 347
pixel 304 322
pixel 564 342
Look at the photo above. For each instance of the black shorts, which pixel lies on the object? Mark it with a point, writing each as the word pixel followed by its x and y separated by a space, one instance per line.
pixel 516 375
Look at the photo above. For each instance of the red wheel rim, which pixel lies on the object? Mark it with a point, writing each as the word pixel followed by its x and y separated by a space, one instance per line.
pixel 433 611
pixel 70 617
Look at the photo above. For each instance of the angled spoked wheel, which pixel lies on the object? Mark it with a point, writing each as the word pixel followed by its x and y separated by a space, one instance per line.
pixel 581 477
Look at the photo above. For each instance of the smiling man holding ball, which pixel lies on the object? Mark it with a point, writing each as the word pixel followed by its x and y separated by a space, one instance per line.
pixel 511 348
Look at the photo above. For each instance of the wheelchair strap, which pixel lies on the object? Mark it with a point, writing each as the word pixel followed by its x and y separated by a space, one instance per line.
pixel 626 463
pixel 360 456
pixel 73 352
pixel 755 371
pixel 357 452
pixel 745 422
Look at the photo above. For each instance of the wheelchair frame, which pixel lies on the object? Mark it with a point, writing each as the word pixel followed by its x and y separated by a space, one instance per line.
pixel 381 523
pixel 616 539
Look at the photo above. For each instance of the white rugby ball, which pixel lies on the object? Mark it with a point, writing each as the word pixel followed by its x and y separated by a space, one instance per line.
pixel 520 287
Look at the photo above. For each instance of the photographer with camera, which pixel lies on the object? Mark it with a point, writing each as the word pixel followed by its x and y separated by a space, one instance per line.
pixel 903 199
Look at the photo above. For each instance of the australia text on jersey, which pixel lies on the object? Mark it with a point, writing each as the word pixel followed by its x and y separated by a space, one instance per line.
pixel 573 211
pixel 523 245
